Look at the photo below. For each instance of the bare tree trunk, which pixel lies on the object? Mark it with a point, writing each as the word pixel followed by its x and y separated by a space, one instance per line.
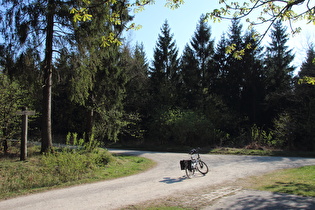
pixel 47 89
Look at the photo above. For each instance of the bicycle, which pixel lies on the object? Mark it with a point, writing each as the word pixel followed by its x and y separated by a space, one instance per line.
pixel 195 163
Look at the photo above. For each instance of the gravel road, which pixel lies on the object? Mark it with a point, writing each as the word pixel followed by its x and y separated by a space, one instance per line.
pixel 165 179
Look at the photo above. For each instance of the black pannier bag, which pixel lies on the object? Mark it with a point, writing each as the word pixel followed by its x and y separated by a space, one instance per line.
pixel 185 164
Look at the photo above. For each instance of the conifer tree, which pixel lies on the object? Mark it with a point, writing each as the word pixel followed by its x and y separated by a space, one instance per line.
pixel 308 66
pixel 137 86
pixel 203 47
pixel 278 70
pixel 191 80
pixel 234 69
pixel 164 71
pixel 252 92
pixel 196 65
pixel 100 77
pixel 240 82
pixel 303 109
pixel 278 60
pixel 219 65
pixel 137 92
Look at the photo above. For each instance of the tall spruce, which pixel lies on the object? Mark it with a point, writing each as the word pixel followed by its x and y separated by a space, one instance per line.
pixel 278 70
pixel 196 65
pixel 191 80
pixel 203 47
pixel 278 60
pixel 303 111
pixel 308 66
pixel 219 65
pixel 234 69
pixel 137 86
pixel 164 70
pixel 252 88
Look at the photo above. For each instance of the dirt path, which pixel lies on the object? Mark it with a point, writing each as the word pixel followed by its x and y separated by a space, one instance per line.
pixel 165 179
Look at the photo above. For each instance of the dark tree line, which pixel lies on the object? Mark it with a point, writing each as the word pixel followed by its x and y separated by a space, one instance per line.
pixel 210 96
pixel 206 96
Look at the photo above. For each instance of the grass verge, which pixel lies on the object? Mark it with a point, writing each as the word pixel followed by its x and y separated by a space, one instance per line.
pixel 266 152
pixel 64 168
pixel 297 181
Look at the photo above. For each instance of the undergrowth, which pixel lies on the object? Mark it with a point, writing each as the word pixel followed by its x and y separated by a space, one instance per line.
pixel 67 166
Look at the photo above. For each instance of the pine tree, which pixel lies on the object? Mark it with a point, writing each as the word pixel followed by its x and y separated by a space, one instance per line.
pixel 278 70
pixel 196 65
pixel 219 65
pixel 278 60
pixel 164 72
pixel 68 116
pixel 234 69
pixel 191 80
pixel 203 47
pixel 252 89
pixel 137 86
pixel 137 92
pixel 240 79
pixel 304 108
pixel 308 66
pixel 100 78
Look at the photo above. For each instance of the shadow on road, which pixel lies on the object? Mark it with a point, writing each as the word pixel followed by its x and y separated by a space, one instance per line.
pixel 130 152
pixel 264 200
pixel 169 180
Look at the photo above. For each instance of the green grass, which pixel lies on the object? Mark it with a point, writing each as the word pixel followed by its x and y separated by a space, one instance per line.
pixel 298 181
pixel 64 168
pixel 266 152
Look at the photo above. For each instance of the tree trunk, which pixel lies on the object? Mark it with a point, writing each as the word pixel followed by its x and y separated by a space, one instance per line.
pixel 89 125
pixel 47 89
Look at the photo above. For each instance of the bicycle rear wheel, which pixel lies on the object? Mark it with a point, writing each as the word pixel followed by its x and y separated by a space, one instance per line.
pixel 190 173
pixel 202 167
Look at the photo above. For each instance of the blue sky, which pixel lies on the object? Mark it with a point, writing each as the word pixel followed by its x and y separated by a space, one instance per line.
pixel 183 23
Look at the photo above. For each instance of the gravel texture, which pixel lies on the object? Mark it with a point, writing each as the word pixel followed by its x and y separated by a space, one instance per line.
pixel 164 180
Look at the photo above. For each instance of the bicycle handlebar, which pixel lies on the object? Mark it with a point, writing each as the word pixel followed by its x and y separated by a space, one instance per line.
pixel 194 151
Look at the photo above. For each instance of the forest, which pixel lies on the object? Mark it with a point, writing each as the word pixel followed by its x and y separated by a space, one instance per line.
pixel 206 95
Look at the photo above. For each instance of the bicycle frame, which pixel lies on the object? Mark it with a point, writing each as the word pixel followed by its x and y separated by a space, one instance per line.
pixel 196 164
pixel 195 158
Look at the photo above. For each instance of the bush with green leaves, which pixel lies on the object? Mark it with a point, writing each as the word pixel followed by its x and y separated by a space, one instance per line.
pixel 186 127
pixel 73 165
pixel 257 137
pixel 284 131
pixel 11 99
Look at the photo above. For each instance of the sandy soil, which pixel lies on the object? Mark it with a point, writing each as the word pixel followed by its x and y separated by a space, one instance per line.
pixel 166 179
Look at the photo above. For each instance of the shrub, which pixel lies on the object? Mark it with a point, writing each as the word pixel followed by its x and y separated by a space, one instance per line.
pixel 65 166
pixel 185 127
pixel 11 95
pixel 72 139
pixel 284 131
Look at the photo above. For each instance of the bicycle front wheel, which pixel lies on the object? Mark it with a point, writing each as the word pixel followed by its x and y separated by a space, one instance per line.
pixel 202 167
pixel 190 173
